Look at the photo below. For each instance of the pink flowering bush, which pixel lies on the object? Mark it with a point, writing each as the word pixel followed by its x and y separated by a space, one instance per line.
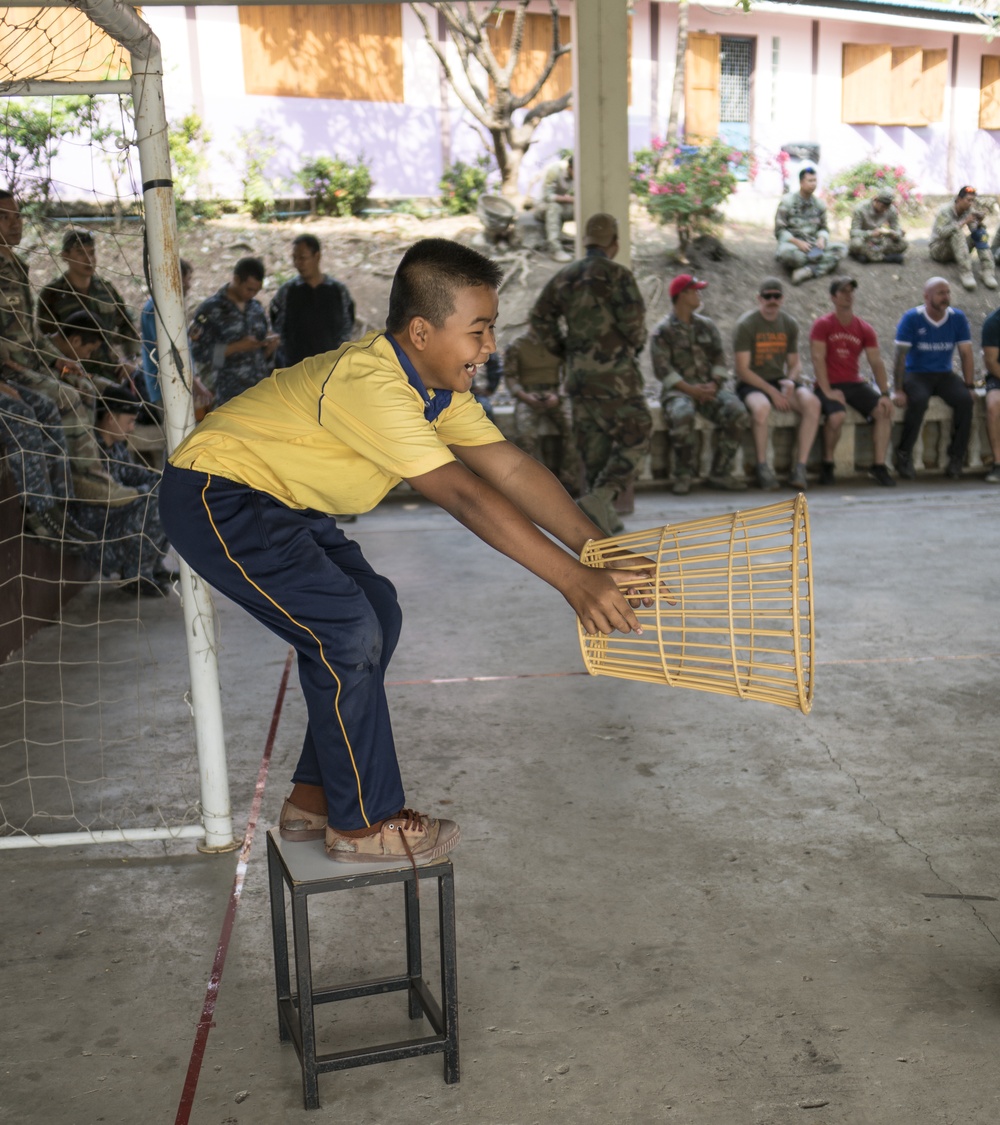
pixel 686 185
pixel 861 181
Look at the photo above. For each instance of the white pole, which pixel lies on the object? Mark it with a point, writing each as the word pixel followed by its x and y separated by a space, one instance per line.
pixel 102 836
pixel 122 22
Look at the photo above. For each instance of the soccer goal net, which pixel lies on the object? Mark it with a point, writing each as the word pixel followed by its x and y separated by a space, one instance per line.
pixel 110 722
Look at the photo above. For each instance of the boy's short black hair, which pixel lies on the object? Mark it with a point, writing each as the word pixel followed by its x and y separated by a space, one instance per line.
pixel 117 400
pixel 81 323
pixel 808 170
pixel 74 238
pixel 309 241
pixel 249 267
pixel 429 274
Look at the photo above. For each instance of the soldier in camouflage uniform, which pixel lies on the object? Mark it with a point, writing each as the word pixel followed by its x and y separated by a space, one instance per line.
pixel 531 373
pixel 876 235
pixel 958 235
pixel 22 365
pixel 804 246
pixel 557 205
pixel 689 361
pixel 591 314
pixel 80 288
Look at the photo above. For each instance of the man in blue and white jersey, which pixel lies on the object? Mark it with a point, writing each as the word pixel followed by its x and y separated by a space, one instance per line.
pixel 926 339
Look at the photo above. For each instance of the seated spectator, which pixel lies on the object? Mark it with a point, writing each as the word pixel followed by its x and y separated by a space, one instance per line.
pixel 766 346
pixel 532 375
pixel 230 333
pixel 804 246
pixel 557 205
pixel 876 235
pixel 132 542
pixel 926 339
pixel 34 448
pixel 991 358
pixel 837 341
pixel 80 288
pixel 313 313
pixel 958 235
pixel 689 362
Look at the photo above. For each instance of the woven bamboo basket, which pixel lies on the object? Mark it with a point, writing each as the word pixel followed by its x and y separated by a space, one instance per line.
pixel 731 605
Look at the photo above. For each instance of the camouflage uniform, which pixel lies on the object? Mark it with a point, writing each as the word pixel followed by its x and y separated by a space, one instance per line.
pixel 804 217
pixel 955 241
pixel 558 181
pixel 218 322
pixel 874 235
pixel 59 299
pixel 17 344
pixel 604 315
pixel 692 353
pixel 132 541
pixel 32 439
pixel 531 368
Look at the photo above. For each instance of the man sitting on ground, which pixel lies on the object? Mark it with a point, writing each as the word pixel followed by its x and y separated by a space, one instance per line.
pixel 837 341
pixel 958 235
pixel 876 235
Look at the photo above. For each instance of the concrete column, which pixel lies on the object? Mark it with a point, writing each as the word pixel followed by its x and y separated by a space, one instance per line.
pixel 600 92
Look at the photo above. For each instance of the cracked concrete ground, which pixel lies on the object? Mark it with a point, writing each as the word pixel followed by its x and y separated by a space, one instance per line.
pixel 672 907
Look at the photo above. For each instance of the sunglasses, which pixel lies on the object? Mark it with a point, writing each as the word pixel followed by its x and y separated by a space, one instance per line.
pixel 770 296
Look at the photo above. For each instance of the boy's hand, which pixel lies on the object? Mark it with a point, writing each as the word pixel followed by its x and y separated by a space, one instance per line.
pixel 600 604
pixel 636 575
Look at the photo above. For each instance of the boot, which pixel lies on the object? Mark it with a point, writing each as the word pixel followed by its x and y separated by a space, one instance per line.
pixel 95 487
pixel 987 269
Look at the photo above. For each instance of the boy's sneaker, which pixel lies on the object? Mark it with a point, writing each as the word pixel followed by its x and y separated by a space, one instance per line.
pixel 904 465
pixel 993 476
pixel 766 478
pixel 797 478
pixel 826 472
pixel 406 836
pixel 297 824
pixel 880 475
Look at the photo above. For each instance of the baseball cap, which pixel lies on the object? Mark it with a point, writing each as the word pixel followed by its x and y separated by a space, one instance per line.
pixel 841 282
pixel 601 230
pixel 963 192
pixel 885 195
pixel 771 284
pixel 684 281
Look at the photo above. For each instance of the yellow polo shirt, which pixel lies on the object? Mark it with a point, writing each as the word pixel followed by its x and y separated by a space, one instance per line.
pixel 335 432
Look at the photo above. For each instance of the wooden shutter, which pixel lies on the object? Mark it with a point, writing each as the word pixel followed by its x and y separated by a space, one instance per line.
pixel 702 80
pixel 905 87
pixel 347 52
pixel 935 78
pixel 867 72
pixel 989 93
pixel 534 54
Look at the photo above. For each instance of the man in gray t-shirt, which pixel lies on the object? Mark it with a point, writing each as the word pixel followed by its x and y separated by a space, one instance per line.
pixel 769 374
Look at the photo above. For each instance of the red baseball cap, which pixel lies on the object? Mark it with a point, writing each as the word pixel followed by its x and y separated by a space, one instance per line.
pixel 684 281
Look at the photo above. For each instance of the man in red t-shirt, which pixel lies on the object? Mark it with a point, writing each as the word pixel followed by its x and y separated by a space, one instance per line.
pixel 837 341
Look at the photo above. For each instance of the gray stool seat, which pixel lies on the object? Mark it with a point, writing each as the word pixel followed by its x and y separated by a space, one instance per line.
pixel 304 870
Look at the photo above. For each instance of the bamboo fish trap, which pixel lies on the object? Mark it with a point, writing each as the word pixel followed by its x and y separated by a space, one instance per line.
pixel 731 605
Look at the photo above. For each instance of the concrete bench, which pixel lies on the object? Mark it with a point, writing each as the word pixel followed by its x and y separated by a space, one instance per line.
pixel 853 456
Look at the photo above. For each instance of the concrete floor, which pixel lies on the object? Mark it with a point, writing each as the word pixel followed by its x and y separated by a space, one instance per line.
pixel 672 907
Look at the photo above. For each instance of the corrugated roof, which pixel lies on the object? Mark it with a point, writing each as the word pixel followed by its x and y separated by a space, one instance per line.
pixel 958 11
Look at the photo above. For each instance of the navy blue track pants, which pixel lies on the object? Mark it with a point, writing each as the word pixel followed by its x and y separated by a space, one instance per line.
pixel 300 576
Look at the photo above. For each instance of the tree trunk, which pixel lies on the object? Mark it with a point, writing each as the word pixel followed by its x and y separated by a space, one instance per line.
pixel 677 95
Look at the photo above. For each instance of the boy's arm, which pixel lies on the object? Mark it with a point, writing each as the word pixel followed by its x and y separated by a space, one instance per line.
pixel 497 494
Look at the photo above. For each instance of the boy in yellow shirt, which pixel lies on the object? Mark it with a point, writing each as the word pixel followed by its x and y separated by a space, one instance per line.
pixel 245 499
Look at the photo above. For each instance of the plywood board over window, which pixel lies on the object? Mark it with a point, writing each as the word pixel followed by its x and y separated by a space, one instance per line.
pixel 905 86
pixel 347 52
pixel 935 78
pixel 867 83
pixel 989 93
pixel 534 54
pixel 702 86
pixel 60 45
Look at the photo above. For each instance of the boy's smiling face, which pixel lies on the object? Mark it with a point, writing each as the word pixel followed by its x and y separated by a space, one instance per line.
pixel 446 358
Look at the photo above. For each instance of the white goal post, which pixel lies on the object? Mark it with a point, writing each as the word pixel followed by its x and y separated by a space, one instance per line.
pixel 123 24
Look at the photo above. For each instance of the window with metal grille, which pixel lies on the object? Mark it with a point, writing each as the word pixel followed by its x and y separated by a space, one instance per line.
pixel 736 57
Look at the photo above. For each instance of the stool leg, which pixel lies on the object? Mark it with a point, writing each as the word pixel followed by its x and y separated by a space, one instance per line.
pixel 279 938
pixel 414 959
pixel 449 972
pixel 303 980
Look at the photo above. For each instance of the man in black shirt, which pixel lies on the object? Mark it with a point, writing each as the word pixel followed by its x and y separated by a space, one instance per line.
pixel 311 313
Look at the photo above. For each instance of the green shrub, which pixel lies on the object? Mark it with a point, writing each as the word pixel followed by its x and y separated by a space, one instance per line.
pixel 686 185
pixel 259 149
pixel 462 184
pixel 845 190
pixel 335 186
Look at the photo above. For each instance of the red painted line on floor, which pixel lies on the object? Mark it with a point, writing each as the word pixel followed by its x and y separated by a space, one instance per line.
pixel 207 1021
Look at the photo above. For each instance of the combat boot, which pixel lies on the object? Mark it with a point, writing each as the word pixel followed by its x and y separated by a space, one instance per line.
pixel 803 273
pixel 968 280
pixel 987 269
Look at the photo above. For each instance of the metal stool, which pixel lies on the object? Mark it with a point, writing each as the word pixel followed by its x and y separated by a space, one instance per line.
pixel 305 869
